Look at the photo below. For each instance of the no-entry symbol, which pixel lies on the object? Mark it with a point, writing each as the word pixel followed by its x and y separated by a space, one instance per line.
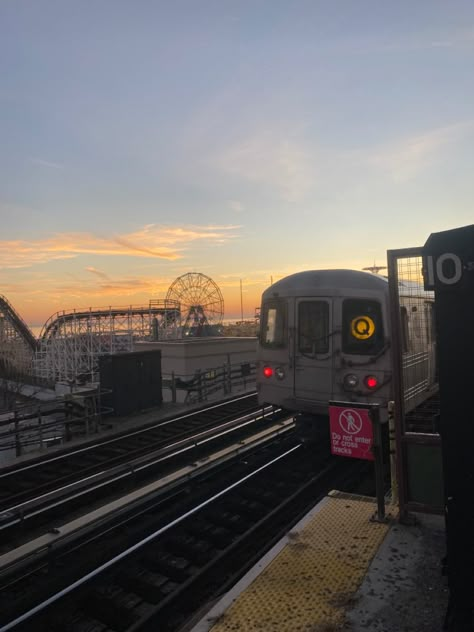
pixel 351 432
pixel 350 421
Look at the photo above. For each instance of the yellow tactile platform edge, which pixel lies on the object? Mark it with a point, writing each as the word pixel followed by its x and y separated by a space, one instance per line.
pixel 311 582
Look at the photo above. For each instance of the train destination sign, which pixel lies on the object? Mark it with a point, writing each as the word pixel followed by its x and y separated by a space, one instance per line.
pixel 351 432
pixel 362 327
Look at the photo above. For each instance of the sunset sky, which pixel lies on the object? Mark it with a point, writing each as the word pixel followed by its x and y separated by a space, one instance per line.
pixel 246 140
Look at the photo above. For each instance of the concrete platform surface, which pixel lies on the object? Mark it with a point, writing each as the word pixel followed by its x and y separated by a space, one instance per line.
pixel 404 590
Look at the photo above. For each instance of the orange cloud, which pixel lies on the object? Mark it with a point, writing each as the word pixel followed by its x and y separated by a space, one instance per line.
pixel 99 273
pixel 131 285
pixel 150 241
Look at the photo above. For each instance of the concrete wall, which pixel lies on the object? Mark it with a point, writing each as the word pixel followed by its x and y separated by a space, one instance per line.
pixel 183 358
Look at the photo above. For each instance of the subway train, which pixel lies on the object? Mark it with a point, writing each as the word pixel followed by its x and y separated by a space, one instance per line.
pixel 326 335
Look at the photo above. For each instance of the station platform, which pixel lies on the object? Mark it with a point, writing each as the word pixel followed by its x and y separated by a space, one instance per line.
pixel 339 569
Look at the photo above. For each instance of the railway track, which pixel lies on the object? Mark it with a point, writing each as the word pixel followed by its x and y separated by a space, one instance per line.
pixel 191 437
pixel 40 474
pixel 179 549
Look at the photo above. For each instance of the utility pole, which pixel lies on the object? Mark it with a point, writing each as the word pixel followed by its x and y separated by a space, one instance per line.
pixel 241 303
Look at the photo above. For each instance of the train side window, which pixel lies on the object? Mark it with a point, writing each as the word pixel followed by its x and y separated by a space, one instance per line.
pixel 430 322
pixel 362 326
pixel 404 329
pixel 313 327
pixel 273 324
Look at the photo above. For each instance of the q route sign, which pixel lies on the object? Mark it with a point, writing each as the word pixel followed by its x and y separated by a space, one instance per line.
pixel 351 432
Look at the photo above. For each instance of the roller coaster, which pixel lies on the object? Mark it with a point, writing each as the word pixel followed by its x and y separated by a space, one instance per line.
pixel 18 345
pixel 71 342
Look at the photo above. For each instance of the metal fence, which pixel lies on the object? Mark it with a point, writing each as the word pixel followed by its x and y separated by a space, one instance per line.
pixel 208 384
pixel 32 427
pixel 415 375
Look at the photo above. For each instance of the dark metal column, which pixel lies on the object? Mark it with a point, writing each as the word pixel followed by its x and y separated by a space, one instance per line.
pixel 449 270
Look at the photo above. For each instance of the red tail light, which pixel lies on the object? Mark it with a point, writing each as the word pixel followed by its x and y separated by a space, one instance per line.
pixel 371 381
pixel 267 371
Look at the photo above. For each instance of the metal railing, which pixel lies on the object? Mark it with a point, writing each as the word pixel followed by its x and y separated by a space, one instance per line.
pixel 34 427
pixel 210 383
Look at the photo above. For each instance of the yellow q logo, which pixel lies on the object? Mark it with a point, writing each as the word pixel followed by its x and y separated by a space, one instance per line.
pixel 362 327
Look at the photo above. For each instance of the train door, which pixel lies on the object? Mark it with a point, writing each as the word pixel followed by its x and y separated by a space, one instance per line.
pixel 313 349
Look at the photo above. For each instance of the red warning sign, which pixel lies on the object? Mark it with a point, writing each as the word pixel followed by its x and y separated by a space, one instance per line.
pixel 351 432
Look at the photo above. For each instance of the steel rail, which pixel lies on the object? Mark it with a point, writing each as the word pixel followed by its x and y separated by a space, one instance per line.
pixel 65 591
pixel 45 502
pixel 118 437
pixel 44 545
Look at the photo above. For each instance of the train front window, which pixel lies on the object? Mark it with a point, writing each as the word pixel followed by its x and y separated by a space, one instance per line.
pixel 362 327
pixel 273 327
pixel 313 327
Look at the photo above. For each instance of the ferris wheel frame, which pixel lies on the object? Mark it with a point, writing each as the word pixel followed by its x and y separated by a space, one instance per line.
pixel 197 294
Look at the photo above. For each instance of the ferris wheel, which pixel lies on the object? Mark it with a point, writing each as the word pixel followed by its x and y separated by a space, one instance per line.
pixel 200 300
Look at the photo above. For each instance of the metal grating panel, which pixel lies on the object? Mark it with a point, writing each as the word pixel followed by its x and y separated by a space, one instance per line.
pixel 418 346
pixel 415 378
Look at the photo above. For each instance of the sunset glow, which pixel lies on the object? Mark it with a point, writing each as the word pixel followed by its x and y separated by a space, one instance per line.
pixel 245 141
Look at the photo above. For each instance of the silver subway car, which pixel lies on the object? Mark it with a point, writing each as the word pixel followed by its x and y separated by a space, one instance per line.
pixel 325 335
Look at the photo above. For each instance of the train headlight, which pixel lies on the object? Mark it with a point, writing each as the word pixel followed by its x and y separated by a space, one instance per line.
pixel 371 381
pixel 350 381
pixel 267 371
pixel 279 372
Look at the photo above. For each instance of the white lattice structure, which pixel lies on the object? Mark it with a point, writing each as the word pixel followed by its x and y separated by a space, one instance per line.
pixel 71 342
pixel 17 342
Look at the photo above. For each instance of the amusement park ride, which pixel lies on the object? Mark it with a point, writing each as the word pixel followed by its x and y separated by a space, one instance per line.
pixel 71 342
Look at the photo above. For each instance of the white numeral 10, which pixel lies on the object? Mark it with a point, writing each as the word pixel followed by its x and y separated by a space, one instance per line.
pixel 440 275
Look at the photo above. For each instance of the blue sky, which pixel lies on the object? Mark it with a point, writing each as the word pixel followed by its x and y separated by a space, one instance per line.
pixel 244 140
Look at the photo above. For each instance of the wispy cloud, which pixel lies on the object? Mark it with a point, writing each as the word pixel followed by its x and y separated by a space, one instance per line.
pixel 117 289
pixel 270 159
pixel 236 206
pixel 300 173
pixel 454 38
pixel 46 163
pixel 345 175
pixel 100 274
pixel 81 289
pixel 163 242
pixel 404 159
pixel 428 39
